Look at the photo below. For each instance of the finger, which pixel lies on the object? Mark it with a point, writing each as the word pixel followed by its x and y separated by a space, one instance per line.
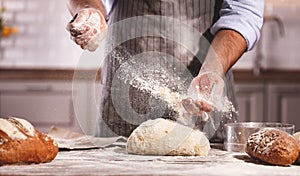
pixel 69 24
pixel 84 38
pixel 83 47
pixel 77 24
pixel 77 32
pixel 80 19
pixel 93 44
pixel 205 106
pixel 94 39
pixel 82 41
pixel 78 40
pixel 190 106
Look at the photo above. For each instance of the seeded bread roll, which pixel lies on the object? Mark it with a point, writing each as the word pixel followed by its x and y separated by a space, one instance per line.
pixel 297 137
pixel 21 143
pixel 273 146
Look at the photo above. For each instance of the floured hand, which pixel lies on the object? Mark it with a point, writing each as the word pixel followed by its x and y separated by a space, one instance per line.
pixel 87 28
pixel 195 107
pixel 205 94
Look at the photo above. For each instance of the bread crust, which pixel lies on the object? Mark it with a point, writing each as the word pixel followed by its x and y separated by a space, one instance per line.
pixel 36 148
pixel 273 146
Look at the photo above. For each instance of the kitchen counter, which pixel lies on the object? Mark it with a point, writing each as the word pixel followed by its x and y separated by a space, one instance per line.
pixel 45 74
pixel 114 160
pixel 287 76
pixel 67 74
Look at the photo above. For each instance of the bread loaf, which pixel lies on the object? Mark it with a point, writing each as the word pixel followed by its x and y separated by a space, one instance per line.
pixel 297 137
pixel 21 143
pixel 273 146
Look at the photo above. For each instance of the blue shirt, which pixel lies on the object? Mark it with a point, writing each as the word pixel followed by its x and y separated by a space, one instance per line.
pixel 243 16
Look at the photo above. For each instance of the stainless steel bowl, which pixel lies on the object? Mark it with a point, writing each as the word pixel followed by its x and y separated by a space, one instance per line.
pixel 237 133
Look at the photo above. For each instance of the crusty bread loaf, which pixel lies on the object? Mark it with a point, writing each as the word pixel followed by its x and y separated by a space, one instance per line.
pixel 297 137
pixel 273 146
pixel 21 143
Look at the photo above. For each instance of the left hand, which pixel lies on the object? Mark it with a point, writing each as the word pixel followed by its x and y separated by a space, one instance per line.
pixel 87 28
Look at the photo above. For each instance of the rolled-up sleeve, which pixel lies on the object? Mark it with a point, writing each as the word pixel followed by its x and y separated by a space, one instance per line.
pixel 243 16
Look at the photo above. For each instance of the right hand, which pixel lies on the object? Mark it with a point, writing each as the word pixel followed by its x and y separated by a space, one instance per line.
pixel 87 28
pixel 205 94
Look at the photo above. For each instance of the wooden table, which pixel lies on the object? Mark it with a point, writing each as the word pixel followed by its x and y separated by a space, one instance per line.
pixel 114 160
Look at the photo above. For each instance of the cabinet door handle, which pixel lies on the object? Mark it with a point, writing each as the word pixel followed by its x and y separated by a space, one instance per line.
pixel 47 88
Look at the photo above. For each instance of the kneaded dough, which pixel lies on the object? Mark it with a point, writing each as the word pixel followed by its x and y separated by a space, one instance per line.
pixel 166 137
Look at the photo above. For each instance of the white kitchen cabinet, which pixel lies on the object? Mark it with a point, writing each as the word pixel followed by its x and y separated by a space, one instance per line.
pixel 43 103
pixel 269 102
pixel 251 105
pixel 284 101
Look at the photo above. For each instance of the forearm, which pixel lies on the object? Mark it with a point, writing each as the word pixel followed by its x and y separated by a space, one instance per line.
pixel 226 48
pixel 77 5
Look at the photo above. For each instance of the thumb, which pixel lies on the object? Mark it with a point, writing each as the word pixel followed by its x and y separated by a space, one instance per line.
pixel 79 19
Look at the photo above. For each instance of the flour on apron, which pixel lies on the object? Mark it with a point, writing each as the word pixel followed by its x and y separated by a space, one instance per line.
pixel 198 14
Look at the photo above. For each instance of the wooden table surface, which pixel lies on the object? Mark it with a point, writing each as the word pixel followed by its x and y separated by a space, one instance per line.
pixel 114 160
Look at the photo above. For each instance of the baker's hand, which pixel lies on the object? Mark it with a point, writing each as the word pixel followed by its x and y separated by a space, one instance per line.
pixel 87 28
pixel 204 94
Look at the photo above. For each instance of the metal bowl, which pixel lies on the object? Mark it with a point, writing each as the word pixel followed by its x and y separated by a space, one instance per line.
pixel 237 133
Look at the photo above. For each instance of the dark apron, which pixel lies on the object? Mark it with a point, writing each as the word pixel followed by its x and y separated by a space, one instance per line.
pixel 116 116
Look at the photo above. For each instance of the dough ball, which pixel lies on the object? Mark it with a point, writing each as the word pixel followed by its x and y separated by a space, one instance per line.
pixel 166 137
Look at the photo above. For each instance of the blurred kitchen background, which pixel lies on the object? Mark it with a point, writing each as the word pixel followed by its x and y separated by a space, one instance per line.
pixel 37 66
